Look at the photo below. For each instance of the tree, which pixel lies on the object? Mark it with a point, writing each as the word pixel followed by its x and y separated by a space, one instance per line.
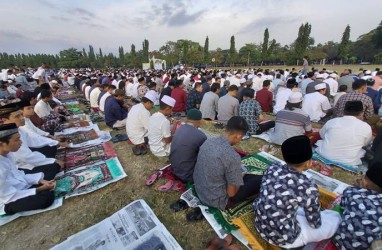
pixel 133 62
pixel 121 53
pixel 145 51
pixel 206 53
pixel 264 46
pixel 343 50
pixel 302 42
pixel 377 36
pixel 251 52
pixel 170 52
pixel 218 55
pixel 71 58
pixel 232 51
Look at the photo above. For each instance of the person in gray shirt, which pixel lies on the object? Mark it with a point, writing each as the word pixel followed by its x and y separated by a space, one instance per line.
pixel 346 79
pixel 228 105
pixel 218 176
pixel 209 105
pixel 185 146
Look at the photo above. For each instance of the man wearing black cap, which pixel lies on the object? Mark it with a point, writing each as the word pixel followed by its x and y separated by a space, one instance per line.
pixel 362 213
pixel 344 137
pixel 287 211
pixel 18 191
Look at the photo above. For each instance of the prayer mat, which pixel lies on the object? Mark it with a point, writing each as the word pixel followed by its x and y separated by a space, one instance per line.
pixel 75 158
pixel 81 124
pixel 88 178
pixel 4 219
pixel 353 169
pixel 81 136
pixel 255 164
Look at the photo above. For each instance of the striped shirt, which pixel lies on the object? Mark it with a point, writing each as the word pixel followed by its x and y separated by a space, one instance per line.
pixel 290 123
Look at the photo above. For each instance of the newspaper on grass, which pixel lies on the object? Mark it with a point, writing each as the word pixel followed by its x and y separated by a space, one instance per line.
pixel 89 178
pixel 134 227
pixel 4 219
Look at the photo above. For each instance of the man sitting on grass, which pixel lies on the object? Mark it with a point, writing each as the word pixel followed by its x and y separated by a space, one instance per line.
pixel 159 128
pixel 287 211
pixel 137 123
pixel 362 214
pixel 20 192
pixel 115 110
pixel 218 176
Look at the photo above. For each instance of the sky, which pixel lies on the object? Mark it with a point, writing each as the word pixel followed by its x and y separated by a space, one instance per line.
pixel 49 26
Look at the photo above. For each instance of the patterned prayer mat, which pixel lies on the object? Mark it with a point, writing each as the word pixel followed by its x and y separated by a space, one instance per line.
pixel 88 178
pixel 81 136
pixel 79 157
pixel 255 164
pixel 353 169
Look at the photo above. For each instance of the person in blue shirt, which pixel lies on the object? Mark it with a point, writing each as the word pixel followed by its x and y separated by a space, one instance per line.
pixel 115 111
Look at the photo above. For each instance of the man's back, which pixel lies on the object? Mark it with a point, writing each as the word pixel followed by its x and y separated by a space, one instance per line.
pixel 265 98
pixel 217 166
pixel 346 80
pixel 228 106
pixel 184 151
pixel 354 96
pixel 343 139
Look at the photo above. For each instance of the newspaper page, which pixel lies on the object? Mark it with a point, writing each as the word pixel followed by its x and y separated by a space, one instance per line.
pixel 330 184
pixel 134 227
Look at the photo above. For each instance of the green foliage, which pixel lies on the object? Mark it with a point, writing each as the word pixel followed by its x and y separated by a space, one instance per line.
pixel 264 46
pixel 145 51
pixel 71 58
pixel 303 41
pixel 343 50
pixel 206 53
pixel 232 51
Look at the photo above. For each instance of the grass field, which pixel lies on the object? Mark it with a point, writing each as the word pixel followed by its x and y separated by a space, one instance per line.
pixel 45 230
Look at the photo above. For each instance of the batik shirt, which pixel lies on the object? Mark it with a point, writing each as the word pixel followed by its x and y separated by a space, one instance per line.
pixel 250 110
pixel 193 98
pixel 283 190
pixel 362 219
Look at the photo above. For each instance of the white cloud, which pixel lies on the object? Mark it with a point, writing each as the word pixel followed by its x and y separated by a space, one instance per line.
pixel 50 26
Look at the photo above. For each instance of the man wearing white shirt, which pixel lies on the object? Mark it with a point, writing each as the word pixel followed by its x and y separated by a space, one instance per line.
pixel 129 87
pixel 93 97
pixel 344 137
pixel 283 95
pixel 137 123
pixel 27 160
pixel 159 128
pixel 18 191
pixel 333 84
pixel 104 97
pixel 316 104
pixel 235 80
pixel 257 82
pixel 42 107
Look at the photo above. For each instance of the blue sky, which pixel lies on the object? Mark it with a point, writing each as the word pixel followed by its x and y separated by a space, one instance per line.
pixel 48 26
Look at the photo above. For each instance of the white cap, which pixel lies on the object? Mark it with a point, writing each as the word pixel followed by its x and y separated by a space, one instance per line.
pixel 242 80
pixel 320 86
pixel 320 76
pixel 367 72
pixel 151 96
pixel 334 75
pixel 295 97
pixel 238 75
pixel 250 76
pixel 168 100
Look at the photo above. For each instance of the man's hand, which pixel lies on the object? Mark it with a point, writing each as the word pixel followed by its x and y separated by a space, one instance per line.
pixel 60 163
pixel 64 144
pixel 46 185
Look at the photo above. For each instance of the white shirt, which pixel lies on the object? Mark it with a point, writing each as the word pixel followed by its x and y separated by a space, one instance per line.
pixel 134 92
pixel 333 84
pixel 343 139
pixel 129 88
pixel 235 81
pixel 32 128
pixel 42 109
pixel 94 97
pixel 26 158
pixel 33 140
pixel 87 92
pixel 137 123
pixel 257 83
pixel 39 73
pixel 115 83
pixel 159 128
pixel 314 104
pixel 281 99
pixel 14 184
pixel 102 101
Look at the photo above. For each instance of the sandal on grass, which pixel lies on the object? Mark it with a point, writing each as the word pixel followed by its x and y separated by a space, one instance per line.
pixel 179 206
pixel 168 186
pixel 178 186
pixel 153 178
pixel 195 215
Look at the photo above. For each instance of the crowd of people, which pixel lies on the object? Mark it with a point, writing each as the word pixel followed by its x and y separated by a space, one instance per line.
pixel 347 105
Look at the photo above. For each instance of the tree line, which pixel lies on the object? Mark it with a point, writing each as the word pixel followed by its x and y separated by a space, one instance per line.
pixel 367 48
